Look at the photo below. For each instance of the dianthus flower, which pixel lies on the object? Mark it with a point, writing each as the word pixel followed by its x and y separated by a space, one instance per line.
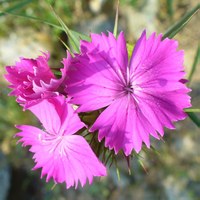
pixel 137 98
pixel 60 153
pixel 32 80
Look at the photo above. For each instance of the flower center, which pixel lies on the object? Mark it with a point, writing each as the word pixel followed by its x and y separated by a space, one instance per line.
pixel 129 89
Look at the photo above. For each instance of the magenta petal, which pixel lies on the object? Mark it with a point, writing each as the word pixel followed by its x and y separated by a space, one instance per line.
pixel 30 135
pixel 113 125
pixel 95 83
pixel 46 112
pixel 66 159
pixel 123 126
pixel 96 79
pixel 57 116
pixel 114 49
pixel 70 121
pixel 138 53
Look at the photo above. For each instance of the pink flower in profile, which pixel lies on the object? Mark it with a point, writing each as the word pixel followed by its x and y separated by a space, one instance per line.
pixel 63 156
pixel 32 80
pixel 140 97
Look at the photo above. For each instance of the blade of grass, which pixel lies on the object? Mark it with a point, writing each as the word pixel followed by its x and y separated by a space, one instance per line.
pixel 15 7
pixel 194 118
pixel 74 41
pixel 196 61
pixel 78 35
pixel 130 49
pixel 66 46
pixel 118 173
pixel 116 20
pixel 35 19
pixel 142 165
pixel 170 9
pixel 194 110
pixel 174 29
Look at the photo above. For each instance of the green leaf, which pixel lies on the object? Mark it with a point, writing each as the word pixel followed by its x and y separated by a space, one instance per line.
pixel 66 46
pixel 117 169
pixel 35 19
pixel 130 49
pixel 170 9
pixel 194 118
pixel 118 173
pixel 142 165
pixel 53 186
pixel 74 42
pixel 196 61
pixel 17 6
pixel 80 36
pixel 74 37
pixel 174 29
pixel 197 110
pixel 76 34
pixel 116 20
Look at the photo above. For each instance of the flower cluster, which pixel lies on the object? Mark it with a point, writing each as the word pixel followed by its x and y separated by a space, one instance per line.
pixel 136 98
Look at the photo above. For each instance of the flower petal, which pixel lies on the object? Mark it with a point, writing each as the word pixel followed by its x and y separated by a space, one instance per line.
pixel 95 79
pixel 47 112
pixel 66 158
pixel 114 125
pixel 92 79
pixel 57 116
pixel 30 135
pixel 114 49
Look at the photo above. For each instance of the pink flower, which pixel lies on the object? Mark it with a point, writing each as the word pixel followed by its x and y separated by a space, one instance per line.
pixel 32 80
pixel 63 156
pixel 139 97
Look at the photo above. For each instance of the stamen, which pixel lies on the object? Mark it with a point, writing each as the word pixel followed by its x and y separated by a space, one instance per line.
pixel 129 89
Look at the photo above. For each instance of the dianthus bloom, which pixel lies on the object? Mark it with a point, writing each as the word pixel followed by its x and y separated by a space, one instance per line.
pixel 138 97
pixel 32 80
pixel 60 153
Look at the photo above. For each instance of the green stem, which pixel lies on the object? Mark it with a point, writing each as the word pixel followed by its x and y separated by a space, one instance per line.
pixel 174 29
pixel 116 20
pixel 196 110
pixel 196 60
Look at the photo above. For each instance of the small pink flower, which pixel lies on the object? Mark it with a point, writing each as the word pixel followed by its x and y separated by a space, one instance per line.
pixel 32 80
pixel 139 97
pixel 63 156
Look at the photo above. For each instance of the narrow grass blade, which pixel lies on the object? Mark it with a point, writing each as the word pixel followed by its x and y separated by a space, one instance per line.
pixel 174 29
pixel 130 49
pixel 74 37
pixel 195 63
pixel 74 42
pixel 142 165
pixel 76 34
pixel 118 173
pixel 194 118
pixel 66 46
pixel 80 36
pixel 35 19
pixel 170 9
pixel 116 20
pixel 194 110
pixel 15 7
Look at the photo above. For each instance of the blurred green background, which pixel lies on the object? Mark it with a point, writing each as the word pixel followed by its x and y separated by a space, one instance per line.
pixel 171 174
